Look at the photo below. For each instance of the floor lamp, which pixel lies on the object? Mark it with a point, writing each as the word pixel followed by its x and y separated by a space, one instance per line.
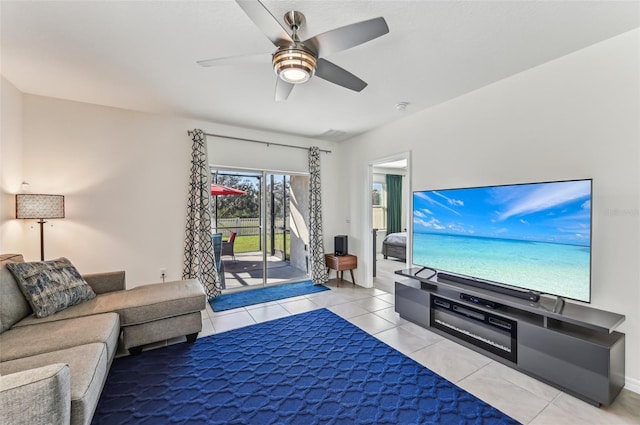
pixel 39 207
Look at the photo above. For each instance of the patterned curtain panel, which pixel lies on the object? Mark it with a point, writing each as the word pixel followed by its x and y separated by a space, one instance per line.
pixel 198 251
pixel 394 203
pixel 316 241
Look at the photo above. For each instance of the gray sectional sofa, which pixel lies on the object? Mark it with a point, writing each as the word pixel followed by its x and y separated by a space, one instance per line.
pixel 53 369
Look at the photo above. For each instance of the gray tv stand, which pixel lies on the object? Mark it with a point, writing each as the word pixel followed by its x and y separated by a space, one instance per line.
pixel 575 348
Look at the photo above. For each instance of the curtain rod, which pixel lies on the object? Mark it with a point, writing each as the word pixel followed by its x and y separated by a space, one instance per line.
pixel 190 133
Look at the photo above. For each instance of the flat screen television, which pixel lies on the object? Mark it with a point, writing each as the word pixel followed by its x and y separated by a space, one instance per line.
pixel 535 237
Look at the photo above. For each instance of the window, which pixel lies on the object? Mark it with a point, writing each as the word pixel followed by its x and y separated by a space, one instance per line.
pixel 378 203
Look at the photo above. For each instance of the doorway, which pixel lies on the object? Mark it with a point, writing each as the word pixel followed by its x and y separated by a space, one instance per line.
pixel 387 252
pixel 266 225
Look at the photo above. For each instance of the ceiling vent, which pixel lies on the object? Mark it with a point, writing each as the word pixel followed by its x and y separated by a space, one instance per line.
pixel 332 134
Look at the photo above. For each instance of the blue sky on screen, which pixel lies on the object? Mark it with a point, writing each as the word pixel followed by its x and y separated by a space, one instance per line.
pixel 558 212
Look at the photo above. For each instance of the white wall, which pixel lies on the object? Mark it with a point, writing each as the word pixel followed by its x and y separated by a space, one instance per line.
pixel 124 175
pixel 10 166
pixel 574 117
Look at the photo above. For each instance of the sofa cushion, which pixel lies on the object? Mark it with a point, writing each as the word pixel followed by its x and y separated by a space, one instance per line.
pixel 152 302
pixel 88 365
pixel 13 305
pixel 106 281
pixel 27 341
pixel 51 286
pixel 138 305
pixel 36 396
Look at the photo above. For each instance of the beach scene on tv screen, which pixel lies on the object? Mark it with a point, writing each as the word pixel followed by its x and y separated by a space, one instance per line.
pixel 533 236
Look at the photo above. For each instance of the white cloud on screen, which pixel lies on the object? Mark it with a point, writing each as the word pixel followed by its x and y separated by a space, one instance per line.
pixel 431 224
pixel 422 213
pixel 432 201
pixel 451 201
pixel 546 196
pixel 457 227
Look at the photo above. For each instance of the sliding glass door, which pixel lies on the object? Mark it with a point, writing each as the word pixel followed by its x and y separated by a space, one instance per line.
pixel 267 214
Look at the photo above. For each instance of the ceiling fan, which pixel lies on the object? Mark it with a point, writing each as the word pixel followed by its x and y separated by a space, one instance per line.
pixel 295 61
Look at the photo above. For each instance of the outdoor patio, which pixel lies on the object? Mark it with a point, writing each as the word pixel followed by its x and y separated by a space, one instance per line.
pixel 247 270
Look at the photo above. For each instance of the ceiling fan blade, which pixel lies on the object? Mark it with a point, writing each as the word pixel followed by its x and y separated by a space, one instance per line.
pixel 236 60
pixel 283 89
pixel 348 36
pixel 264 20
pixel 333 73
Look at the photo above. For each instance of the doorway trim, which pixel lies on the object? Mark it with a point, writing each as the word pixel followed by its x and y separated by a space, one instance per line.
pixel 368 222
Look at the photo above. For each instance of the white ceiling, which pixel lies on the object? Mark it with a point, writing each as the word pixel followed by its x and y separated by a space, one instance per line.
pixel 141 55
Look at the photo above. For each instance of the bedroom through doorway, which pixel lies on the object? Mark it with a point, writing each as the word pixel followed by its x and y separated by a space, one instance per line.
pixel 390 189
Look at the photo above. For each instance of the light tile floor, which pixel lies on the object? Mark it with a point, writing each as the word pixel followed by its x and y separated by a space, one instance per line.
pixel 520 396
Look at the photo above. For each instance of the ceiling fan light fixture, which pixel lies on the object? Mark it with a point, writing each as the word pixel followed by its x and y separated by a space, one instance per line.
pixel 294 65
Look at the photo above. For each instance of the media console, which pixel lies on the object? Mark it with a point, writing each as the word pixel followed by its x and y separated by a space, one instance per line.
pixel 575 349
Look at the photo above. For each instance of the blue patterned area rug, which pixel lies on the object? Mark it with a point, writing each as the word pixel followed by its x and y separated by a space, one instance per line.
pixel 311 368
pixel 263 295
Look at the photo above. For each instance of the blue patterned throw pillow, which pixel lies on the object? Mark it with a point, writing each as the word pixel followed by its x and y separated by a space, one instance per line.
pixel 51 286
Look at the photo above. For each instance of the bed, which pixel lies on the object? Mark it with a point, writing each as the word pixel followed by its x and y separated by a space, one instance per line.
pixel 395 245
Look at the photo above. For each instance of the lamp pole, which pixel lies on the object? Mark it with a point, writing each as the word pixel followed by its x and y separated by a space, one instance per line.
pixel 41 222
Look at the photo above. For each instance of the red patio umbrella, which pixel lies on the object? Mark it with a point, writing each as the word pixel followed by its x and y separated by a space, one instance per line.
pixel 220 190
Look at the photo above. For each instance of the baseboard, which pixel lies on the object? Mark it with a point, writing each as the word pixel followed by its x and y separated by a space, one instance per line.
pixel 632 385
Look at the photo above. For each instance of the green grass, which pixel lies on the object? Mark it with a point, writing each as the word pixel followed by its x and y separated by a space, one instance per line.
pixel 247 243
pixel 251 243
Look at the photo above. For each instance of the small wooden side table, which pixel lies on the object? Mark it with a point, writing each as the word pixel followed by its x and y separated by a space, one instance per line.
pixel 340 263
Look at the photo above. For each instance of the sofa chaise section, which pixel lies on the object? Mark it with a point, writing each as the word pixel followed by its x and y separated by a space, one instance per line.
pixel 148 313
